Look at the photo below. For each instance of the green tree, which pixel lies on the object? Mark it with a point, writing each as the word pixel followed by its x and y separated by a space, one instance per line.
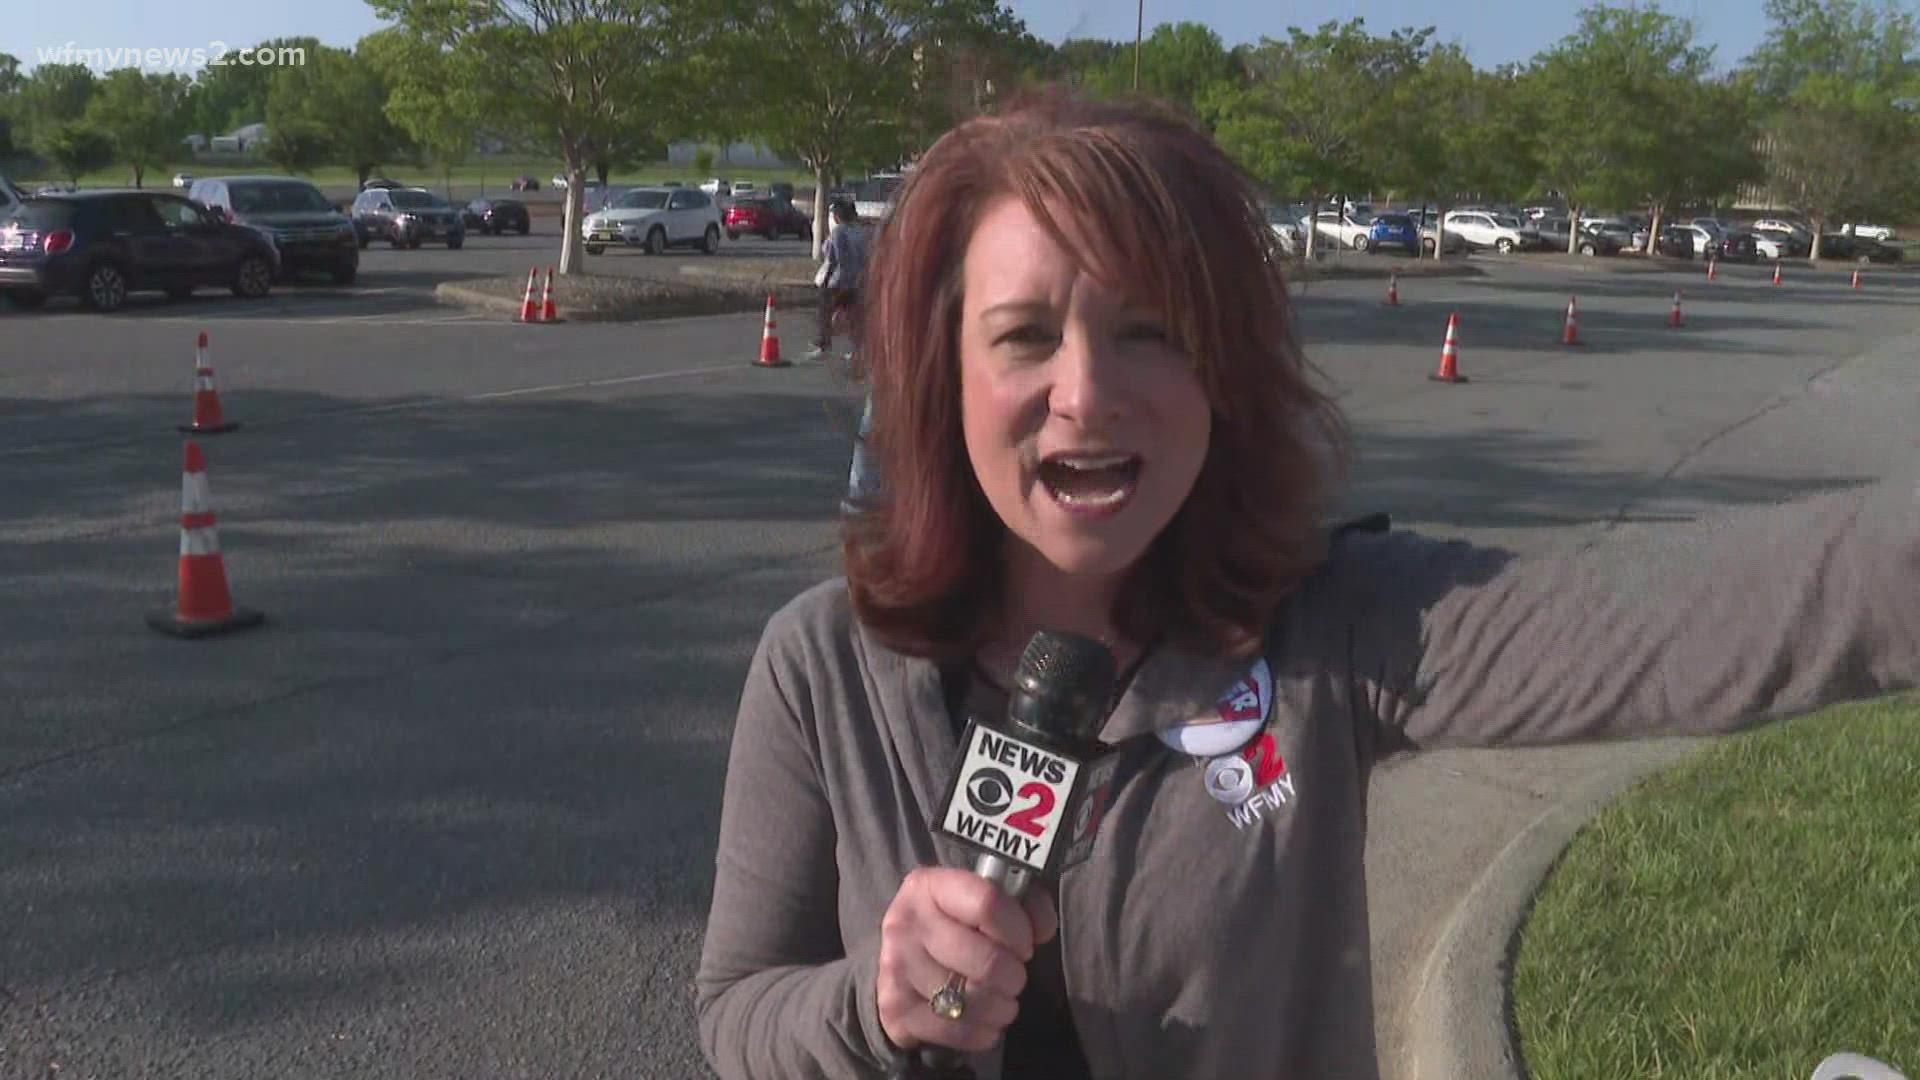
pixel 345 94
pixel 1466 133
pixel 1316 110
pixel 1180 64
pixel 75 148
pixel 556 74
pixel 1842 151
pixel 297 147
pixel 1716 121
pixel 1844 39
pixel 233 94
pixel 11 77
pixel 1604 96
pixel 839 83
pixel 142 115
pixel 53 96
pixel 1837 82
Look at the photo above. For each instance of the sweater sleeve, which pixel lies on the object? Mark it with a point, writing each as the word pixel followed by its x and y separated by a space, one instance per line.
pixel 1746 616
pixel 777 994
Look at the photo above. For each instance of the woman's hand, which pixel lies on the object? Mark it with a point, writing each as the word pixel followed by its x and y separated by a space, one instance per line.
pixel 945 921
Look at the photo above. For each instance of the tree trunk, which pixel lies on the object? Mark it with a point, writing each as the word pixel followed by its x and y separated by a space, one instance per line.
pixel 138 174
pixel 1813 250
pixel 1440 232
pixel 1573 230
pixel 364 171
pixel 572 258
pixel 1312 226
pixel 1653 230
pixel 820 176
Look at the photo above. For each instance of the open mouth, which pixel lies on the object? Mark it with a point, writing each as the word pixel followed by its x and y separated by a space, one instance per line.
pixel 1090 483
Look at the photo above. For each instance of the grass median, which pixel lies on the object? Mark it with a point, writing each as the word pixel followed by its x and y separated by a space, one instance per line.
pixel 1744 915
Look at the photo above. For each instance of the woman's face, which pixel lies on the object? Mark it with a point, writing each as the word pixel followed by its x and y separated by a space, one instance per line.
pixel 1085 426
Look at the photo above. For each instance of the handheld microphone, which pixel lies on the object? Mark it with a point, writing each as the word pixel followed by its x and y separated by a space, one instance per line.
pixel 1030 791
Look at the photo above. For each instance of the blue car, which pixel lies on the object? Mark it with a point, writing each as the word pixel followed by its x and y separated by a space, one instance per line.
pixel 1394 231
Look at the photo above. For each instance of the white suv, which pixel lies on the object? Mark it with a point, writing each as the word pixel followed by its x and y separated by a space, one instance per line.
pixel 657 218
pixel 1485 229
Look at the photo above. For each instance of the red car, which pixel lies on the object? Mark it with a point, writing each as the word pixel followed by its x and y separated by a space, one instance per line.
pixel 771 218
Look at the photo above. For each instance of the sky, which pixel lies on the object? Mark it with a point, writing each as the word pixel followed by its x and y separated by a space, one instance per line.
pixel 1492 31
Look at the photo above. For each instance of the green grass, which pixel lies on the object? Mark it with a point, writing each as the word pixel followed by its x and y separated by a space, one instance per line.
pixel 1743 916
pixel 492 172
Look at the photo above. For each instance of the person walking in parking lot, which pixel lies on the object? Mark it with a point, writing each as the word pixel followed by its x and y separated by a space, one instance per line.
pixel 845 262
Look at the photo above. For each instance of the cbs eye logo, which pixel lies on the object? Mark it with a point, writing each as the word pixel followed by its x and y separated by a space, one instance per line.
pixel 989 792
pixel 1230 779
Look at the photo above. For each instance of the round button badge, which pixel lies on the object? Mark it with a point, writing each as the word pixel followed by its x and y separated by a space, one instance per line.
pixel 1230 779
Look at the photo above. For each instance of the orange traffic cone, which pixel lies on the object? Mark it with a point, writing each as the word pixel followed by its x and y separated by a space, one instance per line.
pixel 1713 269
pixel 528 313
pixel 1856 277
pixel 1450 355
pixel 770 341
pixel 1673 317
pixel 1776 273
pixel 1393 289
pixel 547 310
pixel 207 416
pixel 204 606
pixel 1571 335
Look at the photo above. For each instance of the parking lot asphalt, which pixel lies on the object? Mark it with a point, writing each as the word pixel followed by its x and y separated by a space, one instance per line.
pixel 450 812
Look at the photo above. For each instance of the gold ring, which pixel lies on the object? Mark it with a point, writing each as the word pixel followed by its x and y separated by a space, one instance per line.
pixel 950 1001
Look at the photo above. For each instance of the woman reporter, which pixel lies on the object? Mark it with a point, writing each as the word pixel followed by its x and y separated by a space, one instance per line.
pixel 1092 415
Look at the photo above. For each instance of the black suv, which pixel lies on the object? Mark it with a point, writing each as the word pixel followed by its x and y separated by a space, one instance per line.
pixel 310 233
pixel 101 245
pixel 406 217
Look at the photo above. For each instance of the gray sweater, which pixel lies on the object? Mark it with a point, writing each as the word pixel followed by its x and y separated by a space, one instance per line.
pixel 1225 935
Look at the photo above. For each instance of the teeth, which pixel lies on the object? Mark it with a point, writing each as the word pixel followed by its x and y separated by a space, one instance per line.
pixel 1091 462
pixel 1102 498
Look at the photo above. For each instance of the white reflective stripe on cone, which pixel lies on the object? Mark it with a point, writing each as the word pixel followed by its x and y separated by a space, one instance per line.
pixel 200 541
pixel 195 498
pixel 203 383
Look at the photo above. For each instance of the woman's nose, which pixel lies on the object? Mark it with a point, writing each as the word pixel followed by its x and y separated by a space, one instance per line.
pixel 1088 383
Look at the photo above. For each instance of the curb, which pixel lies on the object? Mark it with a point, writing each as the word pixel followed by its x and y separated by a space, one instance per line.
pixel 1458 1020
pixel 1323 272
pixel 722 304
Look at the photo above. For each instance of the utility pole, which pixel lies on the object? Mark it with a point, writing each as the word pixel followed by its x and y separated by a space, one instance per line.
pixel 1139 24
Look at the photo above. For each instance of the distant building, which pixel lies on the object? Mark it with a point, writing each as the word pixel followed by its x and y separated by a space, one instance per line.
pixel 738 155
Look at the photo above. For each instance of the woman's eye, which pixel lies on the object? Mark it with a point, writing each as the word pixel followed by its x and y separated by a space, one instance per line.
pixel 1026 335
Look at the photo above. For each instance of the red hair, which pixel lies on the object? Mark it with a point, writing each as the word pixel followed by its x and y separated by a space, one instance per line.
pixel 1148 204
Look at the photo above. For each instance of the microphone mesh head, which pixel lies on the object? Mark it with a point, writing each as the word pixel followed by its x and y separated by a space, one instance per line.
pixel 1067 660
pixel 1067 680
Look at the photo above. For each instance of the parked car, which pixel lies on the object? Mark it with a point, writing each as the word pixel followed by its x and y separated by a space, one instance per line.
pixel 380 183
pixel 658 218
pixel 771 218
pixel 103 245
pixel 1345 228
pixel 1393 230
pixel 1609 236
pixel 1484 229
pixel 1285 223
pixel 406 217
pixel 1736 245
pixel 308 232
pixel 496 216
pixel 1868 232
pixel 1676 242
pixel 1780 244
